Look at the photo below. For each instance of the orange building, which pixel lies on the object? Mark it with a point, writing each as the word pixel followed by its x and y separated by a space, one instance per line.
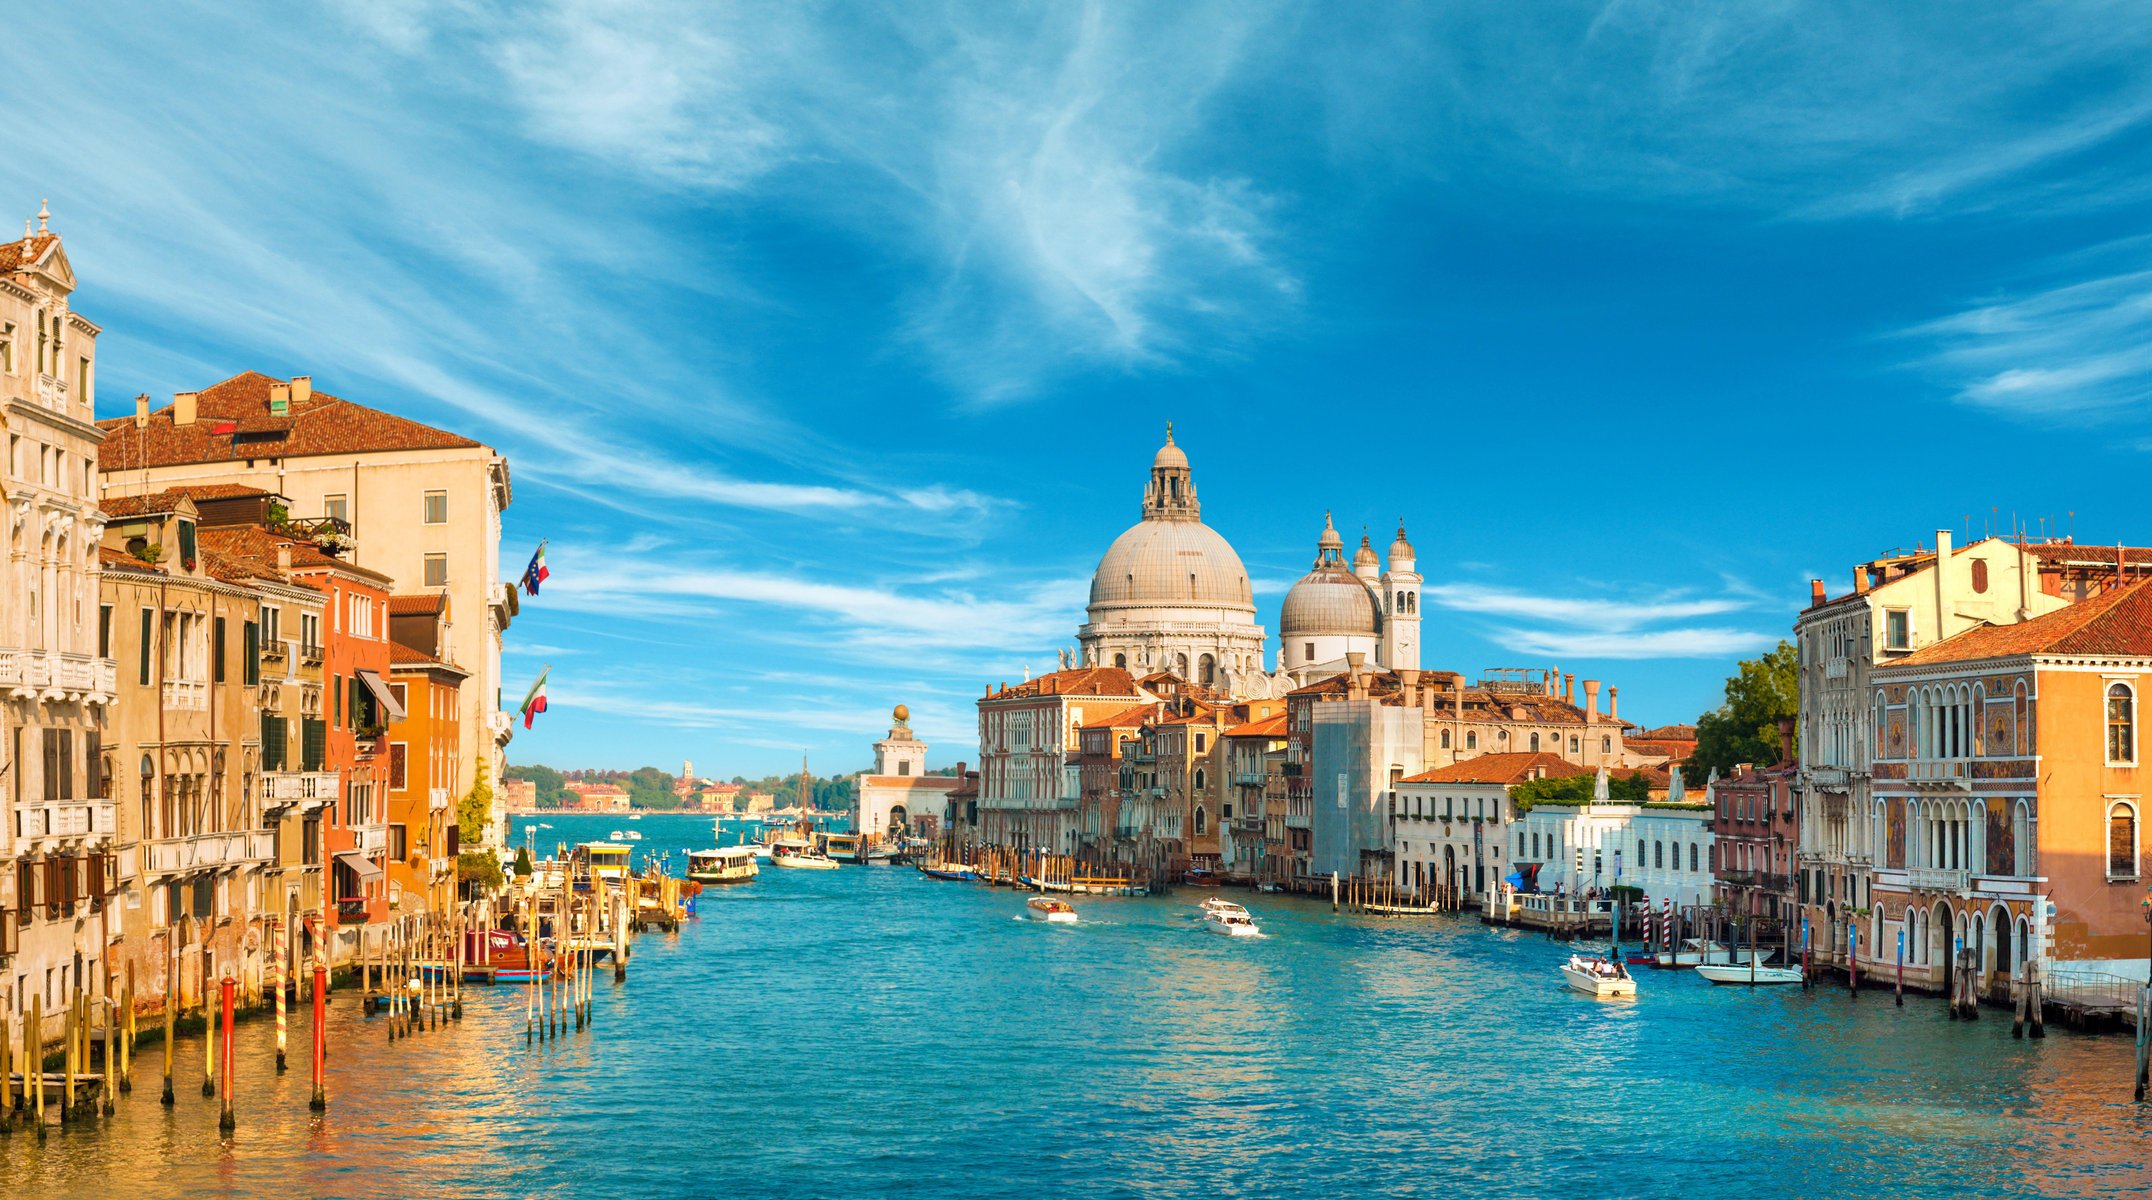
pixel 425 780
pixel 2008 800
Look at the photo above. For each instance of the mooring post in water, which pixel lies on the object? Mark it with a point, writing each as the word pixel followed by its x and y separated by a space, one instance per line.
pixel 1333 891
pixel 209 1030
pixel 1853 960
pixel 2035 1003
pixel 2017 1008
pixel 67 1062
pixel 320 1100
pixel 169 1006
pixel 226 1122
pixel 127 1043
pixel 7 1075
pixel 33 1060
pixel 276 982
pixel 1901 967
pixel 2144 1038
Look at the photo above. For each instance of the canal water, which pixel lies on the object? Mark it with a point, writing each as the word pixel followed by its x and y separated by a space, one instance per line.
pixel 867 1032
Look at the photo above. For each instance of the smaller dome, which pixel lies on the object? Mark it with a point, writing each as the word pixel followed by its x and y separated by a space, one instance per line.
pixel 1365 555
pixel 1330 543
pixel 1329 600
pixel 1401 549
pixel 1169 455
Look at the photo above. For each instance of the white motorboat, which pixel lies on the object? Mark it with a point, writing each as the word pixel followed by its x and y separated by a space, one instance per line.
pixel 635 816
pixel 1705 952
pixel 1598 977
pixel 1229 919
pixel 799 854
pixel 1742 973
pixel 1053 912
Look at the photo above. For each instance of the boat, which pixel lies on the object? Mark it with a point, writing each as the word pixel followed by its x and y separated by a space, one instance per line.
pixel 843 847
pixel 1268 888
pixel 632 835
pixel 602 860
pixel 1598 977
pixel 800 854
pixel 1704 951
pixel 614 836
pixel 1053 912
pixel 1200 877
pixel 1229 919
pixel 635 816
pixel 1737 973
pixel 728 864
pixel 955 871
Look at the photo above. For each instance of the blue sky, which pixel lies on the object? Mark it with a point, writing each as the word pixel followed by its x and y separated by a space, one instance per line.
pixel 830 346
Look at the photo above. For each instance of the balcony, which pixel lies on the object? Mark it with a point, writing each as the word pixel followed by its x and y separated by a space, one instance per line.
pixel 188 695
pixel 54 675
pixel 351 912
pixel 210 851
pixel 370 840
pixel 437 799
pixel 1836 669
pixel 304 790
pixel 63 821
pixel 1940 774
pixel 1832 778
pixel 1938 879
pixel 1248 824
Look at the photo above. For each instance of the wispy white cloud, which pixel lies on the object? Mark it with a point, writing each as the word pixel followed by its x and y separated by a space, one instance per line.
pixel 1634 644
pixel 1570 626
pixel 2081 347
pixel 1612 615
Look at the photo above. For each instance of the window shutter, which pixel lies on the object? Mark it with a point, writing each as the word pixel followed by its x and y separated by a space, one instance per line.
pixel 250 653
pixel 93 765
pixel 314 738
pixel 149 636
pixel 216 650
pixel 67 763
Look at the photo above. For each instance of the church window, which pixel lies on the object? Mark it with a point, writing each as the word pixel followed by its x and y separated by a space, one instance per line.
pixel 1121 661
pixel 1472 741
pixel 1445 739
pixel 1535 743
pixel 1307 652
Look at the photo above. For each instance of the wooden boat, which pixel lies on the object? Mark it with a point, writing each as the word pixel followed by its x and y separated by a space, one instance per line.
pixel 1740 973
pixel 1228 919
pixel 956 871
pixel 1598 977
pixel 728 864
pixel 1053 912
pixel 799 854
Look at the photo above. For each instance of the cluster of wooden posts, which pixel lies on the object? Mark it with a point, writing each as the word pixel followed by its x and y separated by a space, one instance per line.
pixel 1382 896
pixel 1032 867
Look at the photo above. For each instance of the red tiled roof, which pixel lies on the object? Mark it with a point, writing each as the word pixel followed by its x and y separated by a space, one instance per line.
pixel 1078 681
pixel 12 257
pixel 1666 733
pixel 110 558
pixel 2117 622
pixel 1126 718
pixel 424 605
pixel 1502 769
pixel 239 408
pixel 1268 727
pixel 147 504
pixel 254 549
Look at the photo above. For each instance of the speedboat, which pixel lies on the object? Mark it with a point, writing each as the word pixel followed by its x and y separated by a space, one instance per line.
pixel 799 854
pixel 727 864
pixel 1704 951
pixel 1229 919
pixel 1730 973
pixel 1598 977
pixel 635 816
pixel 1053 912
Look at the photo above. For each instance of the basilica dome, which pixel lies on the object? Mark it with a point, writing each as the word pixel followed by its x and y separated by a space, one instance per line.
pixel 1168 563
pixel 1329 599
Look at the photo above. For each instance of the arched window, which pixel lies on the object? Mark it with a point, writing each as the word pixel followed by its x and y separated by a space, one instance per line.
pixel 1445 739
pixel 2122 840
pixel 2121 724
pixel 1199 779
pixel 1206 670
pixel 1535 743
pixel 1471 740
pixel 1640 854
pixel 1573 745
pixel 1121 661
pixel 1199 821
pixel 2021 838
pixel 1692 856
pixel 1606 745
pixel 1658 855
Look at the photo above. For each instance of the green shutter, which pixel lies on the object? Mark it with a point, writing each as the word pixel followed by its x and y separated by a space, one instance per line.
pixel 149 635
pixel 250 653
pixel 216 650
pixel 336 700
pixel 273 742
pixel 313 743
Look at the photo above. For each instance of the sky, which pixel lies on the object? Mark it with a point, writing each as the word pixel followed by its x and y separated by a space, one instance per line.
pixel 829 344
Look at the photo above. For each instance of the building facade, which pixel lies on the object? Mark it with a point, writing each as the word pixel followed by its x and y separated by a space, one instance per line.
pixel 1030 779
pixel 1755 834
pixel 1453 824
pixel 898 799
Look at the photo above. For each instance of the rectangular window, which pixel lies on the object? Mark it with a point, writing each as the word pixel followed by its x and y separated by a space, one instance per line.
pixel 399 845
pixel 2122 842
pixel 336 701
pixel 397 781
pixel 402 694
pixel 437 508
pixel 1897 630
pixel 250 651
pixel 336 508
pixel 216 650
pixel 149 618
pixel 269 625
pixel 104 631
pixel 186 544
pixel 313 743
pixel 436 570
pixel 273 728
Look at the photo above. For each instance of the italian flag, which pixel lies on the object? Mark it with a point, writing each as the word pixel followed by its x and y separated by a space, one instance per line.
pixel 534 701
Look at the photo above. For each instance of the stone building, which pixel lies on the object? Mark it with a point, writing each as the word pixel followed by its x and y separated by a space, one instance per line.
pixel 898 798
pixel 1451 825
pixel 1755 834
pixel 1029 739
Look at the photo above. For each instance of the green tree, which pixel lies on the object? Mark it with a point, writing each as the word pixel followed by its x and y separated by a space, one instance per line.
pixel 478 871
pixel 475 810
pixel 1744 729
pixel 1577 789
pixel 552 786
pixel 523 862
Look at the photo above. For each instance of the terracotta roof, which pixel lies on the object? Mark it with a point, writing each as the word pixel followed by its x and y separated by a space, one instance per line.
pixel 2117 622
pixel 1503 769
pixel 1268 727
pixel 1666 733
pixel 401 655
pixel 12 257
pixel 254 549
pixel 144 505
pixel 1078 681
pixel 1126 718
pixel 218 491
pixel 110 558
pixel 425 605
pixel 232 421
pixel 932 783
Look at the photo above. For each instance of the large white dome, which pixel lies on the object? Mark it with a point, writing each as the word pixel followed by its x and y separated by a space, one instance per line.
pixel 1329 599
pixel 1171 563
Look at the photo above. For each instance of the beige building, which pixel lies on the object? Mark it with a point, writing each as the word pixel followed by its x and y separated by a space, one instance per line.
pixel 56 839
pixel 416 503
pixel 898 798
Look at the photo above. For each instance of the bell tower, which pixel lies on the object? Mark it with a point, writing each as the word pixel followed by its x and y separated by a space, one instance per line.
pixel 1401 600
pixel 900 754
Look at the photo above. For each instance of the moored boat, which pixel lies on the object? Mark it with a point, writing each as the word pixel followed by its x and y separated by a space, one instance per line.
pixel 953 871
pixel 727 864
pixel 1743 973
pixel 1054 912
pixel 844 847
pixel 1598 977
pixel 799 854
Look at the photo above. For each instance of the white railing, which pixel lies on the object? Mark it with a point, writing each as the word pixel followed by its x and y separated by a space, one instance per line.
pixel 1939 770
pixel 209 851
pixel 437 799
pixel 290 787
pixel 1830 777
pixel 1836 668
pixel 190 694
pixel 1938 879
pixel 372 839
pixel 65 819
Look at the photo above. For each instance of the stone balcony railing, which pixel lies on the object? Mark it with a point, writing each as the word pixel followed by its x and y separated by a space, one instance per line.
pixel 305 789
pixel 210 851
pixel 1938 879
pixel 1829 777
pixel 191 695
pixel 28 672
pixel 437 799
pixel 1945 773
pixel 64 820
pixel 371 839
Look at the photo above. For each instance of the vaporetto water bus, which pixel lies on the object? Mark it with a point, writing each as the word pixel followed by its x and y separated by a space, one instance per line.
pixel 727 864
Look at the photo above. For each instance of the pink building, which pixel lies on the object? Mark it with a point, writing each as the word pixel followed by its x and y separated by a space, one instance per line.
pixel 1754 833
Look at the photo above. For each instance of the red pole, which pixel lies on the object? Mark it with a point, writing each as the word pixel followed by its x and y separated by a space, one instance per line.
pixel 320 1102
pixel 1853 959
pixel 1901 967
pixel 225 1121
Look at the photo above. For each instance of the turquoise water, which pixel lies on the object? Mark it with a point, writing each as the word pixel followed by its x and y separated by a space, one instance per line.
pixel 867 1032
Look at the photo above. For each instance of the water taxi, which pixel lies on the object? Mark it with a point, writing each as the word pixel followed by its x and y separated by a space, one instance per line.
pixel 800 854
pixel 1706 952
pixel 844 847
pixel 1757 974
pixel 603 860
pixel 729 864
pixel 1229 919
pixel 1053 912
pixel 1598 977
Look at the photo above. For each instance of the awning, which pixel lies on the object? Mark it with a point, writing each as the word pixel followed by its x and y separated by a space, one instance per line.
pixel 381 693
pixel 360 865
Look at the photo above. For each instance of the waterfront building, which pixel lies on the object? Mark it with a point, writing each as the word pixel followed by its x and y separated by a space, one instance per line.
pixel 1029 773
pixel 1362 743
pixel 1252 804
pixel 405 501
pixel 1453 823
pixel 1754 835
pixel 1336 610
pixel 2010 800
pixel 1900 603
pixel 182 749
pixel 55 681
pixel 1660 847
pixel 424 769
pixel 898 798
pixel 1100 747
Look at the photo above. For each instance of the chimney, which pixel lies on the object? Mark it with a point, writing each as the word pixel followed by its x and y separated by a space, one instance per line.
pixel 302 388
pixel 1569 688
pixel 279 399
pixel 141 410
pixel 1785 741
pixel 1860 580
pixel 1613 704
pixel 1355 688
pixel 1942 584
pixel 1816 594
pixel 1409 684
pixel 283 562
pixel 183 408
pixel 1591 700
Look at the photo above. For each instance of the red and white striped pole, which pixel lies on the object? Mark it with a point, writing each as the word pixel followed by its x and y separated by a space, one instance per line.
pixel 226 1122
pixel 320 1102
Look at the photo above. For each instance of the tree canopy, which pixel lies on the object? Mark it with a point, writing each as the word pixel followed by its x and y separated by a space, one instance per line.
pixel 1577 789
pixel 1744 729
